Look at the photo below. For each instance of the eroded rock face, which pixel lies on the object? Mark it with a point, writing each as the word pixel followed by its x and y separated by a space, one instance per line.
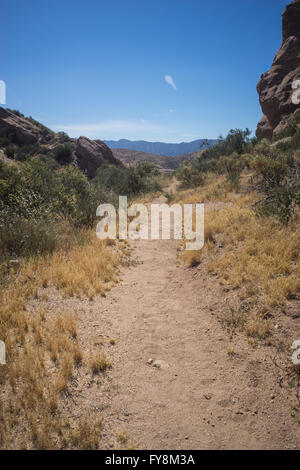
pixel 24 132
pixel 91 154
pixel 264 129
pixel 275 86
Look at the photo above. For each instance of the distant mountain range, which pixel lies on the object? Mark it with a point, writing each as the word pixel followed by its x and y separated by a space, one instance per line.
pixel 161 148
pixel 135 157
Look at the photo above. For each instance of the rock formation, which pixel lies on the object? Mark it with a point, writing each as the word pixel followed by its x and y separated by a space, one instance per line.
pixel 24 131
pixel 91 154
pixel 275 86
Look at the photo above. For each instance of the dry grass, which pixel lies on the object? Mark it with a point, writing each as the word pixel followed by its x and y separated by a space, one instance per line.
pixel 256 254
pixel 258 327
pixel 43 352
pixel 86 270
pixel 191 258
pixel 231 352
pixel 99 362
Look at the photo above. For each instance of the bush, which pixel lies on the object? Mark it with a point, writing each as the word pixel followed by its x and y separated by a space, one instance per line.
pixel 36 204
pixel 28 237
pixel 189 176
pixel 63 154
pixel 233 166
pixel 10 151
pixel 218 159
pixel 62 137
pixel 278 177
pixel 128 181
pixel 292 127
pixel 41 201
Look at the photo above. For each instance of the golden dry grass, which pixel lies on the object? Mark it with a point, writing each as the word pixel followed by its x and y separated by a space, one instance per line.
pixel 99 362
pixel 257 254
pixel 86 270
pixel 43 350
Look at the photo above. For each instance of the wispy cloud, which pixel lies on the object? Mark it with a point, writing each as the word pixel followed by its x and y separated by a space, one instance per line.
pixel 172 110
pixel 109 128
pixel 170 81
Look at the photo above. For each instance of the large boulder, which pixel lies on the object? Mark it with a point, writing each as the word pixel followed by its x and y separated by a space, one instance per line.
pixel 264 129
pixel 275 86
pixel 91 154
pixel 22 130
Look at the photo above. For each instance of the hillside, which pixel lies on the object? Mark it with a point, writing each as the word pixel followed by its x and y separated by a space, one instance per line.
pixel 134 157
pixel 23 137
pixel 162 148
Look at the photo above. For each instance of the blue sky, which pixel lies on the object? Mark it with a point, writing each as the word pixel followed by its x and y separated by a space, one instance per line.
pixel 98 68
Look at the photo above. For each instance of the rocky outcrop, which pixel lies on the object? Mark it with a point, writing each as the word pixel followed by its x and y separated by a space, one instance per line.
pixel 24 132
pixel 264 129
pixel 275 86
pixel 91 154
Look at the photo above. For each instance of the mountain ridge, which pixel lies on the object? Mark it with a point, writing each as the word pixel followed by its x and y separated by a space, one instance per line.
pixel 135 157
pixel 161 148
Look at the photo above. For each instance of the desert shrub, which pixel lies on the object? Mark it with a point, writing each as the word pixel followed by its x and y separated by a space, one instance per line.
pixel 29 237
pixel 62 137
pixel 278 177
pixel 47 133
pixel 147 169
pixel 63 154
pixel 10 151
pixel 15 111
pixel 237 141
pixel 27 151
pixel 218 159
pixel 37 203
pixel 6 137
pixel 127 181
pixel 232 166
pixel 189 176
pixel 291 144
pixel 292 127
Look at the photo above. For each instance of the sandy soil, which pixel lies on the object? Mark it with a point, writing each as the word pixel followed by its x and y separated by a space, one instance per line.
pixel 198 397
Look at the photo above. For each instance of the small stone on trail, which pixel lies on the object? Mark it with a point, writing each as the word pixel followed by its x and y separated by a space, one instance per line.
pixel 160 364
pixel 208 396
pixel 150 361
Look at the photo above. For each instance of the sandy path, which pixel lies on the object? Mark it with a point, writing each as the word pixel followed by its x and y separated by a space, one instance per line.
pixel 200 398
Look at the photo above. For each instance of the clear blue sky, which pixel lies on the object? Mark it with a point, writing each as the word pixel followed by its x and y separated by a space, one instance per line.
pixel 97 68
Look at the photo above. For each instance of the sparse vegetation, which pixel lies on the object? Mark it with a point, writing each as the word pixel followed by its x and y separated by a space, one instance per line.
pixel 43 350
pixel 48 240
pixel 99 362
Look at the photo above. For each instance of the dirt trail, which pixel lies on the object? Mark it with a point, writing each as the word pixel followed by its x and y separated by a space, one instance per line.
pixel 199 398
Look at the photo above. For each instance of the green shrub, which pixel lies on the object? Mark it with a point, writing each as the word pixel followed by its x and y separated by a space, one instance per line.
pixel 218 159
pixel 63 154
pixel 10 151
pixel 233 166
pixel 278 178
pixel 291 128
pixel 128 181
pixel 189 176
